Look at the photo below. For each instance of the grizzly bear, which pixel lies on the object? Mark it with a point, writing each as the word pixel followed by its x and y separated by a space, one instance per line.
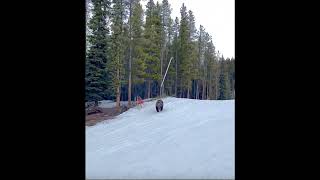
pixel 159 105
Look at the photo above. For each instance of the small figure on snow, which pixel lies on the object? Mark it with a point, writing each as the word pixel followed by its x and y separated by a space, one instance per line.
pixel 139 102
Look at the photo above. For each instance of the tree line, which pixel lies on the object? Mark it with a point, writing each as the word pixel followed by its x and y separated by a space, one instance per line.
pixel 128 50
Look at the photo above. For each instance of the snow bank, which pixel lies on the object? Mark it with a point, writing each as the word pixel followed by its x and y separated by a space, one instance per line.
pixel 112 104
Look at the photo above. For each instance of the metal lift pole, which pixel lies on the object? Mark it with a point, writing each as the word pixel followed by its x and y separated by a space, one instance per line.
pixel 164 77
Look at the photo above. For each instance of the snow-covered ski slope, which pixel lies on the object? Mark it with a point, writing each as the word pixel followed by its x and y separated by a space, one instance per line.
pixel 188 139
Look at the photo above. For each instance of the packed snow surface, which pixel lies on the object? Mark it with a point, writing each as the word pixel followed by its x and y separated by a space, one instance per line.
pixel 188 139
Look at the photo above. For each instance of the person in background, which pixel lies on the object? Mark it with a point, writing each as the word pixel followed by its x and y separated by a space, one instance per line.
pixel 139 102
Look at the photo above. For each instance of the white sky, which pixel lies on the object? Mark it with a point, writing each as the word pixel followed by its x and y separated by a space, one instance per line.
pixel 217 17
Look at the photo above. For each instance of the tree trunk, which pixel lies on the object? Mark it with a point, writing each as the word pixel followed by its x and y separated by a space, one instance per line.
pixel 197 90
pixel 134 91
pixel 118 76
pixel 217 83
pixel 193 90
pixel 160 89
pixel 130 56
pixel 121 94
pixel 118 92
pixel 176 82
pixel 199 62
pixel 188 92
pixel 161 69
pixel 203 89
pixel 146 92
pixel 208 90
pixel 149 88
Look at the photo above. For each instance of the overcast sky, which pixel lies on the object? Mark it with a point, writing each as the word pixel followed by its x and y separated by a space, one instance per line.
pixel 217 17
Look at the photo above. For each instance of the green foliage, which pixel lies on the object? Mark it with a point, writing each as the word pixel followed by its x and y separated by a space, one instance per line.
pixel 96 58
pixel 196 67
pixel 152 41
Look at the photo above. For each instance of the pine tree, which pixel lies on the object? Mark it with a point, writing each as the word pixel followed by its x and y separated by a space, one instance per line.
pixel 215 76
pixel 170 53
pixel 208 69
pixel 192 26
pixel 227 79
pixel 131 4
pixel 204 63
pixel 200 60
pixel 138 55
pixel 115 67
pixel 223 81
pixel 230 80
pixel 193 69
pixel 88 14
pixel 159 43
pixel 232 77
pixel 175 49
pixel 209 56
pixel 96 59
pixel 132 60
pixel 165 15
pixel 192 58
pixel 184 52
pixel 124 75
pixel 152 44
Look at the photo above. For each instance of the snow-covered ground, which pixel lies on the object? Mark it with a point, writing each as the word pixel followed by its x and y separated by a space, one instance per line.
pixel 188 139
pixel 109 103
